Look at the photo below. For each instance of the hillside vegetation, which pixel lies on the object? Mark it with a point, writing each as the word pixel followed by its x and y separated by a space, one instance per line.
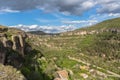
pixel 16 52
pixel 10 73
pixel 93 52
pixel 108 24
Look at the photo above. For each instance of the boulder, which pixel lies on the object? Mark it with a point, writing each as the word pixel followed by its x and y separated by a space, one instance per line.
pixel 61 75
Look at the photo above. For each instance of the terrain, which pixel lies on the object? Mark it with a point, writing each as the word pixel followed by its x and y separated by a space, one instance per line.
pixel 96 49
pixel 41 33
pixel 90 53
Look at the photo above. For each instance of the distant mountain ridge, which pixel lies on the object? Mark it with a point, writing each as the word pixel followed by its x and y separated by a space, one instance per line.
pixel 112 24
pixel 107 25
pixel 83 54
pixel 92 52
pixel 37 32
pixel 41 33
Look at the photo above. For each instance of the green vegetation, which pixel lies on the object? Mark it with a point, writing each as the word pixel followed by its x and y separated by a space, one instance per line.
pixel 92 56
pixel 108 24
pixel 10 73
pixel 101 51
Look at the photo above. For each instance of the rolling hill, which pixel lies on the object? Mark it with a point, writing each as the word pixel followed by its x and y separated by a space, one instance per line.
pixel 96 47
pixel 90 53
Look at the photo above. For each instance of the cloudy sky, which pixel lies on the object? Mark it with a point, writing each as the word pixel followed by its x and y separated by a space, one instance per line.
pixel 56 15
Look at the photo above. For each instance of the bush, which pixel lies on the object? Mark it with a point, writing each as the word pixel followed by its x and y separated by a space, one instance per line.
pixel 10 73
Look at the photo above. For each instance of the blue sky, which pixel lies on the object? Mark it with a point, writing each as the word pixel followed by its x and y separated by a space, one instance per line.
pixel 40 17
pixel 55 15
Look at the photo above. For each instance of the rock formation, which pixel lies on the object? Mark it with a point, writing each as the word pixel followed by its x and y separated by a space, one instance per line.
pixel 3 29
pixel 2 53
pixel 18 44
pixel 61 75
pixel 15 43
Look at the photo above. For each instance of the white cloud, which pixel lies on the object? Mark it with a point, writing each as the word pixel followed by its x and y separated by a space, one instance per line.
pixel 33 26
pixel 109 6
pixel 7 10
pixel 102 17
pixel 114 15
pixel 80 21
pixel 74 7
pixel 47 29
pixel 88 4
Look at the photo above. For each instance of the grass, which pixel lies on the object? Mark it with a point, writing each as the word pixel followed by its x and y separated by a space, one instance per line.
pixel 88 48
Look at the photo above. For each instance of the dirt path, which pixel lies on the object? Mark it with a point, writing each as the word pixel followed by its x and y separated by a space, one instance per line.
pixel 110 72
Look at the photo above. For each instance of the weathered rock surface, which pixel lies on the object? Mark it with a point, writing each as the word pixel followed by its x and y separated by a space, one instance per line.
pixel 61 75
pixel 3 29
pixel 2 53
pixel 15 43
pixel 18 44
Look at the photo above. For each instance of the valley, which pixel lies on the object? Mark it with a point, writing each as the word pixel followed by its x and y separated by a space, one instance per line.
pixel 98 51
pixel 91 53
pixel 59 39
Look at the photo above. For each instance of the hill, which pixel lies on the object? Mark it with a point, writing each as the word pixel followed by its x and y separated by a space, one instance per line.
pixel 87 53
pixel 108 25
pixel 37 32
pixel 41 33
pixel 15 51
pixel 91 53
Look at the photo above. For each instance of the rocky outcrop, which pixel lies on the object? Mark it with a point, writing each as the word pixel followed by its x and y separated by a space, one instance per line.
pixel 7 43
pixel 2 53
pixel 61 75
pixel 113 30
pixel 18 44
pixel 90 32
pixel 15 43
pixel 3 29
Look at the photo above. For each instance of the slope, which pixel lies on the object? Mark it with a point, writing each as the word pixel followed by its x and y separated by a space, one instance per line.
pixel 98 45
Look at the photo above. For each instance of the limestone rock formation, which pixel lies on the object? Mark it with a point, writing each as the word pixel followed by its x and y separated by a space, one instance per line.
pixel 7 43
pixel 2 53
pixel 61 75
pixel 3 29
pixel 11 44
pixel 18 44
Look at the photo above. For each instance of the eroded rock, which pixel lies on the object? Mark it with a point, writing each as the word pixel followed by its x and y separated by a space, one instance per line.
pixel 61 75
pixel 10 45
pixel 2 53
pixel 18 44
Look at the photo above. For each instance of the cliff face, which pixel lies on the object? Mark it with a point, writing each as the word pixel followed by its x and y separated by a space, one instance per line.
pixel 10 45
pixel 85 32
pixel 18 44
pixel 2 53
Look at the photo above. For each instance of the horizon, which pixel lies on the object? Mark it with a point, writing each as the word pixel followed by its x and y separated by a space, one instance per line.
pixel 54 16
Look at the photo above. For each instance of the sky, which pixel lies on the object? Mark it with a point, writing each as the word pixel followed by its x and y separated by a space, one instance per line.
pixel 54 16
